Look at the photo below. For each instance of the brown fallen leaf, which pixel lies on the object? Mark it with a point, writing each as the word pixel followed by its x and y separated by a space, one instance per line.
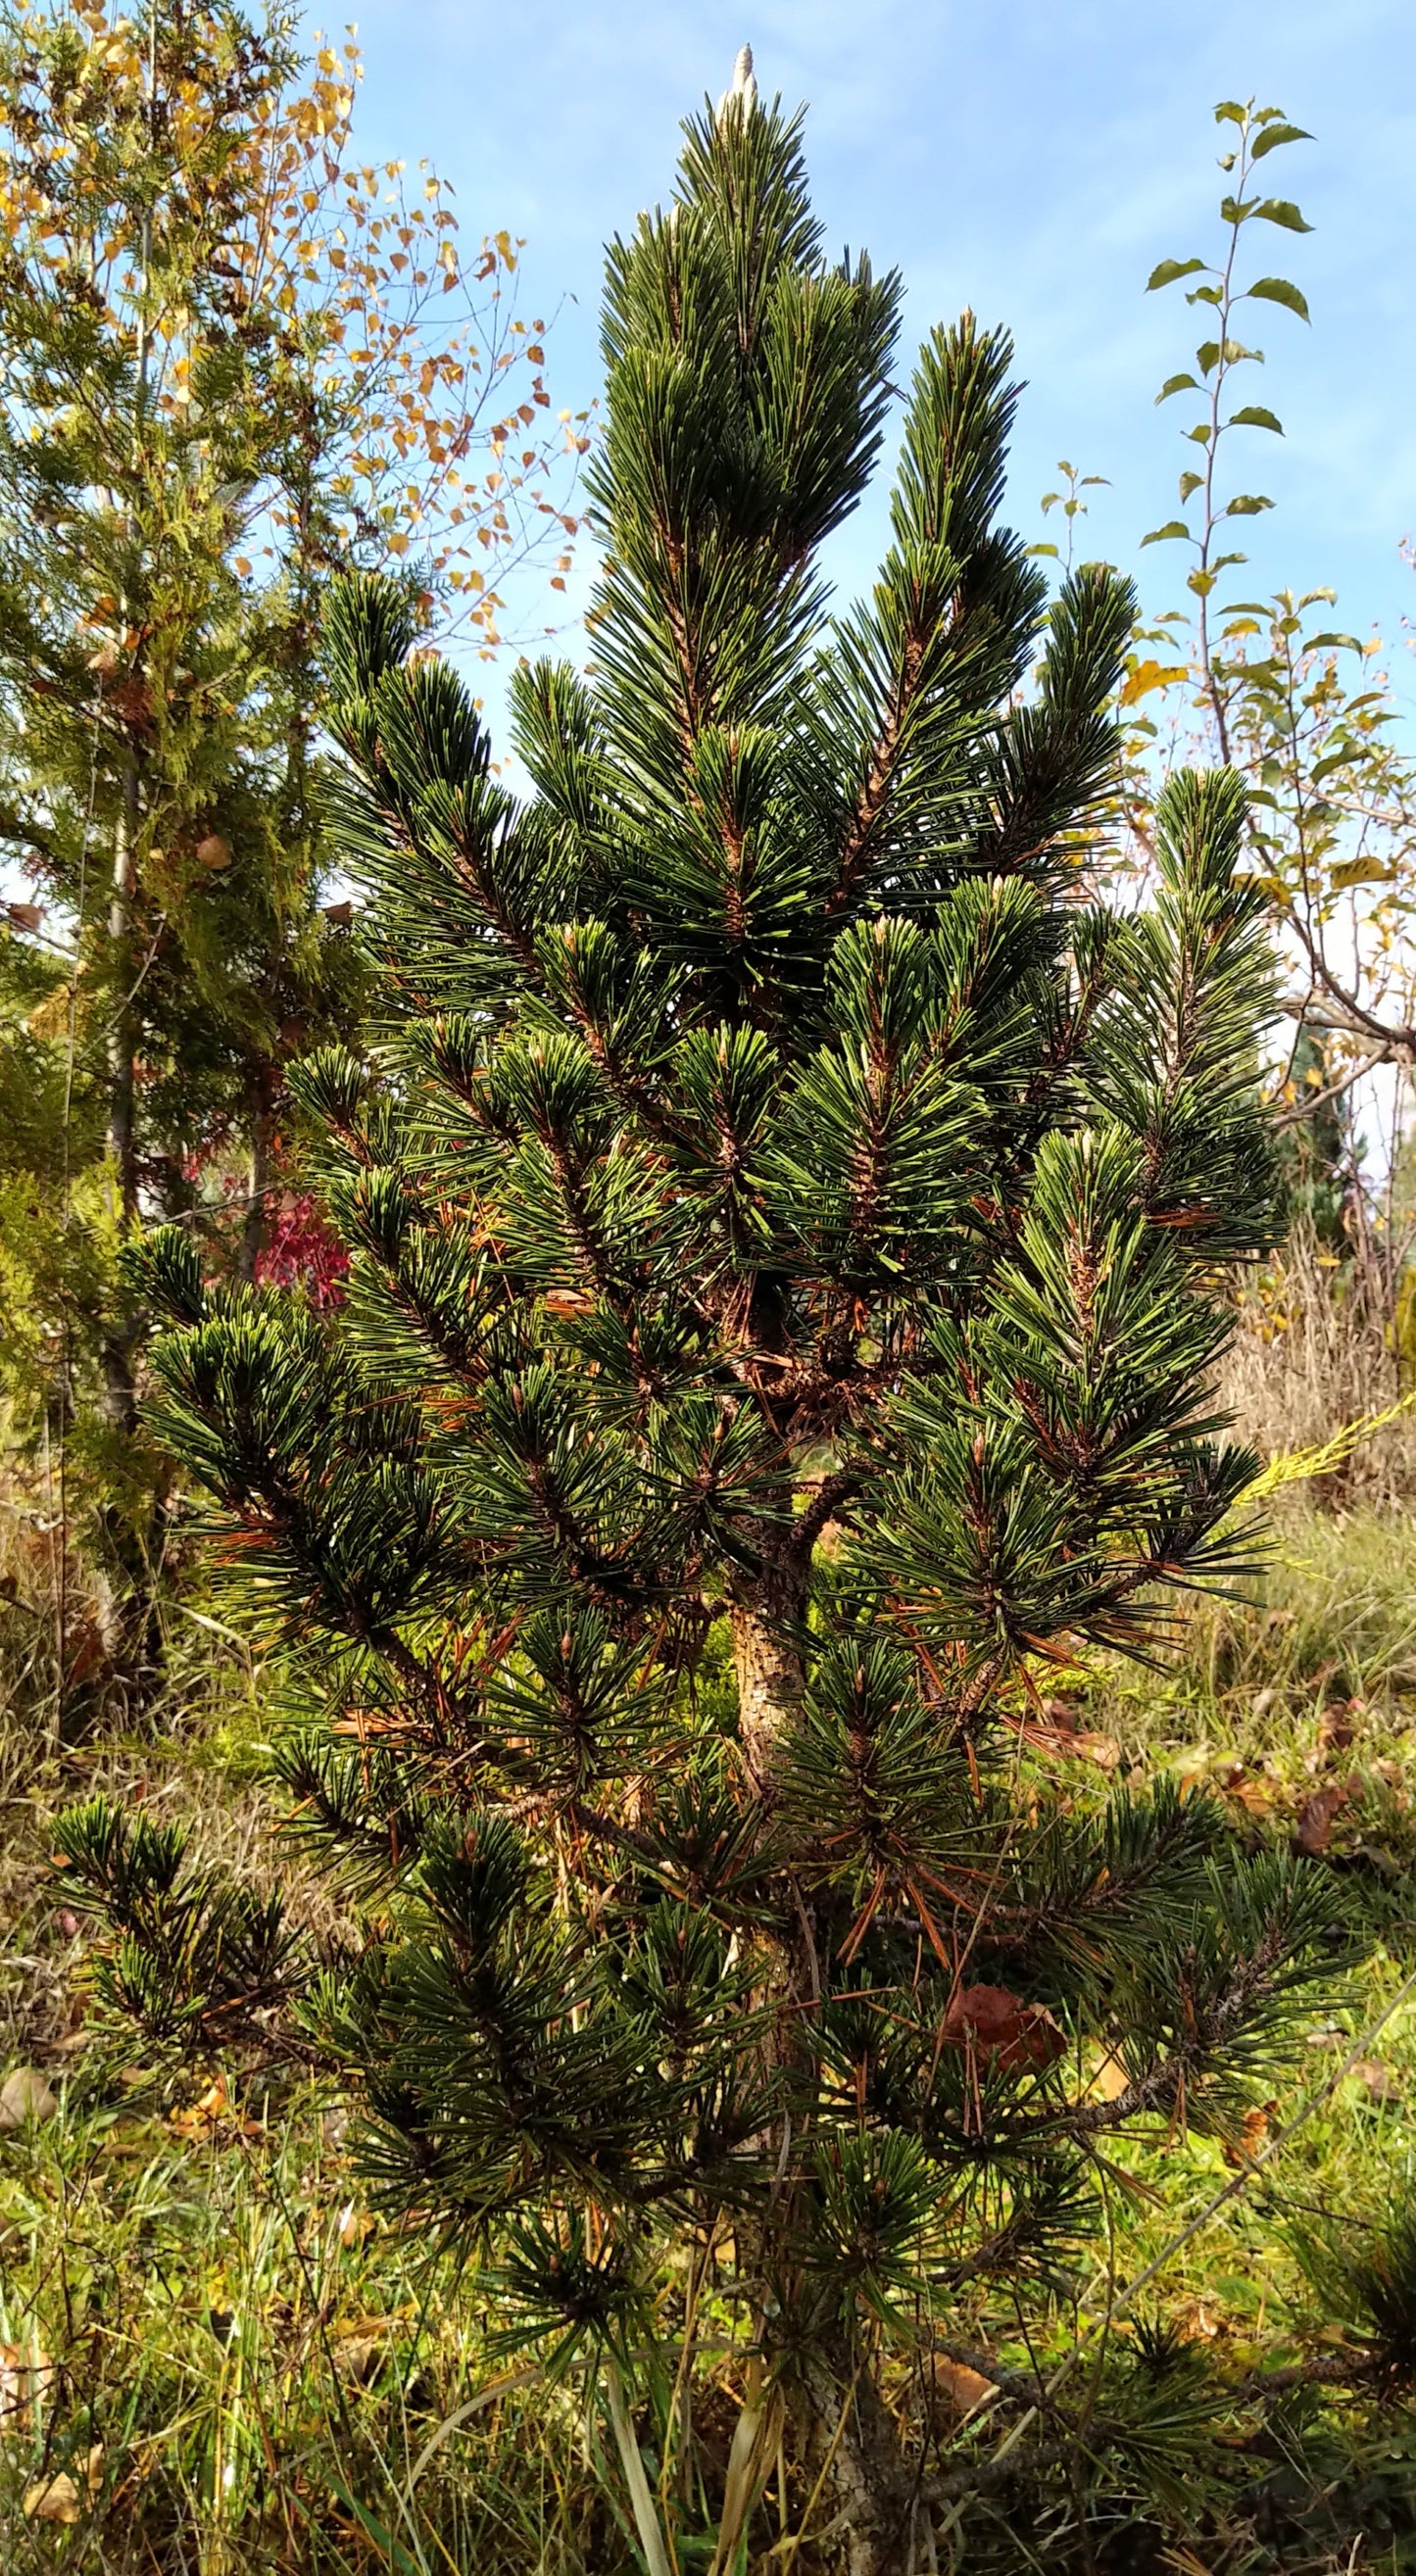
pixel 1068 1741
pixel 58 2499
pixel 54 2500
pixel 1313 1831
pixel 24 916
pixel 1249 1790
pixel 1377 2081
pixel 992 2023
pixel 1242 2150
pixel 1335 1727
pixel 1110 2080
pixel 24 2095
pixel 1103 1750
pixel 214 2111
pixel 961 2387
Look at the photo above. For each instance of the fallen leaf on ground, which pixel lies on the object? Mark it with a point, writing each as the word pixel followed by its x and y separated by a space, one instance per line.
pixel 1254 1796
pixel 54 2500
pixel 1242 2150
pixel 1110 2080
pixel 1313 1830
pixel 1103 1750
pixel 1335 1726
pixel 1076 1745
pixel 58 2499
pixel 213 2111
pixel 24 2095
pixel 964 2388
pixel 1377 2081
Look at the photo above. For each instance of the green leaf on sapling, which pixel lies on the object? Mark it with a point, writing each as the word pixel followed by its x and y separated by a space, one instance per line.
pixel 1170 269
pixel 1280 290
pixel 1280 210
pixel 1271 137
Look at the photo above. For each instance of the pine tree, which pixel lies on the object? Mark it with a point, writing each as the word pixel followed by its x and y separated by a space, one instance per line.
pixel 788 1225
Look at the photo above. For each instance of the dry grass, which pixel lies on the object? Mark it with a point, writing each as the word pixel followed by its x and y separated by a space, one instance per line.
pixel 1315 1350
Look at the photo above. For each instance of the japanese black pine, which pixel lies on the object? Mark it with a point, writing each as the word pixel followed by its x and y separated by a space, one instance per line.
pixel 789 1223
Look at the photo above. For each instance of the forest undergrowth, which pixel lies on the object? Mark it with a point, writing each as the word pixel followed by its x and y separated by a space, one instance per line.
pixel 214 2355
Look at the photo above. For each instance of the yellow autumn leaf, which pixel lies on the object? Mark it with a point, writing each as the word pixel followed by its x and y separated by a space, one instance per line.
pixel 1151 675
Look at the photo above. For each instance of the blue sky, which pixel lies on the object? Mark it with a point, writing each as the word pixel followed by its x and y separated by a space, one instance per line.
pixel 1032 158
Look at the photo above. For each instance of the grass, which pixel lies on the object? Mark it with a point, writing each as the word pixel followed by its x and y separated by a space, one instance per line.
pixel 202 2299
pixel 236 2367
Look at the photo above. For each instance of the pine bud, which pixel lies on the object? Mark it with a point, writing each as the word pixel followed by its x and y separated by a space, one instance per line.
pixel 744 88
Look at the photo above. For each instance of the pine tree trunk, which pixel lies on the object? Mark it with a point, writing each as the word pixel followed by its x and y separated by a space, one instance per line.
pixel 848 2425
pixel 771 1678
pixel 846 2429
pixel 120 1393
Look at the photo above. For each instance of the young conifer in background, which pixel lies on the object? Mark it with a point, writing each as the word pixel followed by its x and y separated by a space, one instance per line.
pixel 785 1223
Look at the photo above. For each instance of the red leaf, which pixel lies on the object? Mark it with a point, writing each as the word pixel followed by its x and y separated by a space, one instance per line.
pixel 995 2024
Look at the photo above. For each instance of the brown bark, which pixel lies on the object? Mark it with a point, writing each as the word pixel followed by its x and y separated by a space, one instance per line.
pixel 120 1392
pixel 850 2432
pixel 771 1677
pixel 846 2430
